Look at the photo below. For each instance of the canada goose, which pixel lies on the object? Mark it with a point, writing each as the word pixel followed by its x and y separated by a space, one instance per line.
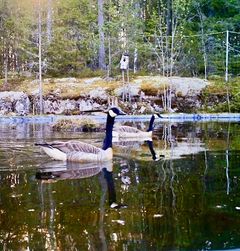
pixel 132 132
pixel 77 151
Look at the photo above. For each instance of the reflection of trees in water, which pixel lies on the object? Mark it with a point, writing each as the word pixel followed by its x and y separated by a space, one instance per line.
pixel 16 147
pixel 227 152
pixel 75 171
pixel 168 201
pixel 47 216
pixel 169 139
pixel 192 138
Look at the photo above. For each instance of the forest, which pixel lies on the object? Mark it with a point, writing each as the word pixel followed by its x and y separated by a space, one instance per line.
pixel 86 38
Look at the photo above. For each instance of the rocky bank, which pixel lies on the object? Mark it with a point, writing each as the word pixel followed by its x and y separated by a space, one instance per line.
pixel 72 96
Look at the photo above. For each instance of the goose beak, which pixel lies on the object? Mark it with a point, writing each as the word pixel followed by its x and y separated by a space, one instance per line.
pixel 122 113
pixel 159 115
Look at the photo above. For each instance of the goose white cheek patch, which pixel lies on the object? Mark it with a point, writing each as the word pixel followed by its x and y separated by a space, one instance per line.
pixel 112 114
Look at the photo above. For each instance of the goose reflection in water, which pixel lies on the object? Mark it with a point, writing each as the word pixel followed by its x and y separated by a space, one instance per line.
pixel 55 171
pixel 137 149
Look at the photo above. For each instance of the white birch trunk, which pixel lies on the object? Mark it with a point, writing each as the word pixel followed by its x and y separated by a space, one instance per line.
pixel 49 21
pixel 203 42
pixel 40 57
pixel 109 56
pixel 6 70
pixel 135 59
pixel 101 57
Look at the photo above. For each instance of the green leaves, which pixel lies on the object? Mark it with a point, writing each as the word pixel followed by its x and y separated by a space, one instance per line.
pixel 134 26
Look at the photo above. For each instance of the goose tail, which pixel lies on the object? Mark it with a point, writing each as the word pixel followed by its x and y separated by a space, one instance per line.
pixel 52 151
pixel 43 145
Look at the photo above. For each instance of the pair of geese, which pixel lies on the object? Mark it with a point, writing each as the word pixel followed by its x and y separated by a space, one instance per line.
pixel 77 151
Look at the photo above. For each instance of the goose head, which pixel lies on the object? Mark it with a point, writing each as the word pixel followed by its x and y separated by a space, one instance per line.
pixel 112 113
pixel 115 111
pixel 157 115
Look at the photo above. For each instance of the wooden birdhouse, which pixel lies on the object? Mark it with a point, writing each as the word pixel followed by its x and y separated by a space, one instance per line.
pixel 124 62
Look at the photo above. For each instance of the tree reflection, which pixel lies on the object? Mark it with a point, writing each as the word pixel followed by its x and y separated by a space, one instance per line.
pixel 188 199
pixel 54 172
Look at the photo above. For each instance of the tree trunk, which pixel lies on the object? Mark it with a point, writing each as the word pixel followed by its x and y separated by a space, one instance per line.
pixel 101 56
pixel 109 56
pixel 169 17
pixel 49 21
pixel 200 14
pixel 5 63
pixel 6 71
pixel 40 57
pixel 135 60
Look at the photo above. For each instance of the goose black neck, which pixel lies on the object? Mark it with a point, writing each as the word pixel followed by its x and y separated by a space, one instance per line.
pixel 108 138
pixel 111 187
pixel 150 128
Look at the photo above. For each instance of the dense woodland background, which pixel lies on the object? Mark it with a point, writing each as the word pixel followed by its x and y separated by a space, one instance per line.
pixel 85 38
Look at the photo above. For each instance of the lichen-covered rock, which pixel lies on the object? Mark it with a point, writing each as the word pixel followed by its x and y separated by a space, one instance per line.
pixel 65 80
pixel 87 105
pixel 130 89
pixel 188 86
pixel 99 93
pixel 90 81
pixel 60 106
pixel 14 102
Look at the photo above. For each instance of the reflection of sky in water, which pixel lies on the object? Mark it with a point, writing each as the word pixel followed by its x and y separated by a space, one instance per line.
pixel 188 199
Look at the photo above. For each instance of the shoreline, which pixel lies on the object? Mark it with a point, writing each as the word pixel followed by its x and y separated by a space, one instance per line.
pixel 176 117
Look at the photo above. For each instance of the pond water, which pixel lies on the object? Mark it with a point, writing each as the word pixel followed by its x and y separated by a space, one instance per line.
pixel 187 200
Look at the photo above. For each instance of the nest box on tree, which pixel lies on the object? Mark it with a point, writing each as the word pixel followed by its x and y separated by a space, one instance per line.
pixel 124 62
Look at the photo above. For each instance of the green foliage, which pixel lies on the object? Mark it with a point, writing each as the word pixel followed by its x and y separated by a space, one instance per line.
pixel 216 95
pixel 142 27
pixel 74 45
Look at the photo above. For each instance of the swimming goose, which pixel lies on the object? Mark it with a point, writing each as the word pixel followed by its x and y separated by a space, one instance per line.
pixel 77 151
pixel 132 132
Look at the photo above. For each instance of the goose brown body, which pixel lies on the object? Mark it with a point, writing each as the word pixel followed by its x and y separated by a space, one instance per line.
pixel 132 132
pixel 76 151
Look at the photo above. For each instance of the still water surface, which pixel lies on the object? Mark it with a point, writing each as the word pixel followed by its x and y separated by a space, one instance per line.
pixel 187 200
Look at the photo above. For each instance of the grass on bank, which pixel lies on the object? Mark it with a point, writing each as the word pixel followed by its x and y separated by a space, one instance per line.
pixel 220 90
pixel 83 124
pixel 214 94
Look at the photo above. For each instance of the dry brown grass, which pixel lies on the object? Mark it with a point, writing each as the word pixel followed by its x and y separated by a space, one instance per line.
pixel 72 90
pixel 83 124
pixel 153 89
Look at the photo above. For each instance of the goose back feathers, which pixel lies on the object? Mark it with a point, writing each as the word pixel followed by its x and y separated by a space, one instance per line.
pixel 132 132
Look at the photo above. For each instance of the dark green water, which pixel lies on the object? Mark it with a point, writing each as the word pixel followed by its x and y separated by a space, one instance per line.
pixel 188 200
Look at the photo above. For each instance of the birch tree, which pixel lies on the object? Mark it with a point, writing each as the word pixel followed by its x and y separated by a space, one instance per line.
pixel 124 27
pixel 49 21
pixel 167 40
pixel 5 39
pixel 204 50
pixel 102 64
